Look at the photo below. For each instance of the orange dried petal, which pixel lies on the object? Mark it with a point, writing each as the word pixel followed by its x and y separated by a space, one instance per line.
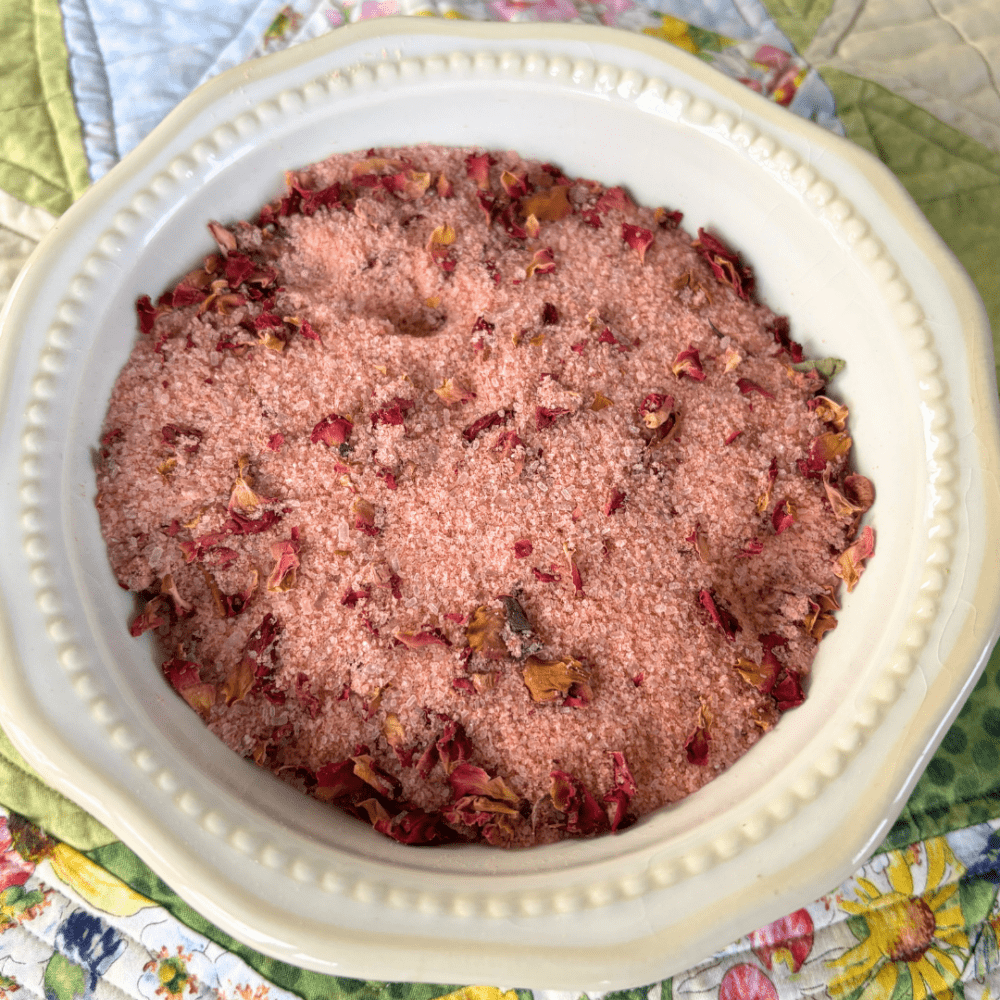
pixel 829 412
pixel 483 633
pixel 547 206
pixel 551 680
pixel 601 402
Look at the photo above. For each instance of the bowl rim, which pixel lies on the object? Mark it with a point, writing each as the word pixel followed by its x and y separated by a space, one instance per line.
pixel 55 759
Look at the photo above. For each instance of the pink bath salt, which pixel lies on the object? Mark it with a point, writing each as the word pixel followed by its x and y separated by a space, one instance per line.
pixel 381 500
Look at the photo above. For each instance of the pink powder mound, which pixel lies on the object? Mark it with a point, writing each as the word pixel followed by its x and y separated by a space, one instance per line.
pixel 476 499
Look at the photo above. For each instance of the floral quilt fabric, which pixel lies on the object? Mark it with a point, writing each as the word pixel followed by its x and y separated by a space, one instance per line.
pixel 922 921
pixel 83 81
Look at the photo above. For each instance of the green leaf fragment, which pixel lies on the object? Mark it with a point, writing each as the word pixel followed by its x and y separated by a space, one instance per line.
pixel 827 367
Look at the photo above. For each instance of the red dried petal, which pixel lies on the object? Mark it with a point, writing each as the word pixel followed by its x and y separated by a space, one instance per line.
pixel 421 640
pixel 550 315
pixel 584 816
pixel 696 746
pixel 783 516
pixel 146 312
pixel 579 346
pixel 720 615
pixel 615 501
pixel 477 167
pixel 542 262
pixel 667 220
pixel 746 387
pixel 154 615
pixel 638 238
pixel 176 436
pixel 485 422
pixel 523 548
pixel 788 693
pixel 620 796
pixel 392 415
pixel 607 337
pixel 726 264
pixel 851 563
pixel 688 363
pixel 546 416
pixel 544 577
pixel 275 441
pixel 614 199
pixel 730 438
pixel 751 547
pixel 285 554
pixel 351 597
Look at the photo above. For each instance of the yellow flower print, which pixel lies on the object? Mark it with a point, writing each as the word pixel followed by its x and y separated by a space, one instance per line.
pixel 918 935
pixel 675 31
pixel 480 993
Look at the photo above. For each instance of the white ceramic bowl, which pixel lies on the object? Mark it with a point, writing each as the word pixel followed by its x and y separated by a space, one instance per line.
pixel 836 244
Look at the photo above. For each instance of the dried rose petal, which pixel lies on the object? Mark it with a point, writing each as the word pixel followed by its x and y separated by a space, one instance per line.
pixel 850 564
pixel 788 693
pixel 444 187
pixel 523 548
pixel 696 746
pixel 544 577
pixel 275 441
pixel 167 466
pixel 440 239
pixel 762 676
pixel 607 337
pixel 614 502
pixel 168 588
pixel 700 544
pixel 688 363
pixel 859 491
pixel 667 220
pixel 485 422
pixel 829 412
pixel 467 779
pixel 656 409
pixel 746 387
pixel 638 239
pixel 552 680
pixel 783 516
pixel 614 199
pixel 393 414
pixel 751 547
pixel 764 500
pixel 242 497
pixel 483 634
pixel 732 359
pixel 514 186
pixel 542 262
pixel 621 794
pixel 584 816
pixel 285 554
pixel 364 517
pixel 546 416
pixel 477 167
pixel 574 571
pixel 547 206
pixel 452 391
pixel 601 402
pixel 726 264
pixel 155 614
pixel 420 640
pixel 720 615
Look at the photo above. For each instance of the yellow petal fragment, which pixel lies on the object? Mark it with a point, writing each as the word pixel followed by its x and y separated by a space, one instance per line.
pixel 548 206
pixel 242 495
pixel 732 359
pixel 392 729
pixel 166 467
pixel 442 236
pixel 601 402
pixel 550 680
pixel 532 227
pixel 452 391
pixel 483 633
pixel 830 412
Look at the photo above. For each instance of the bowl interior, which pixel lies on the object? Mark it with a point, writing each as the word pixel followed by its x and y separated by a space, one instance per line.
pixel 805 268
